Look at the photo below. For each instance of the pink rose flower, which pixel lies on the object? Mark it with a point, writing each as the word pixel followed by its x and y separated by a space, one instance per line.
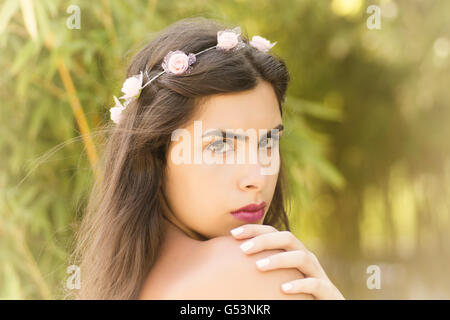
pixel 177 62
pixel 132 86
pixel 261 43
pixel 229 39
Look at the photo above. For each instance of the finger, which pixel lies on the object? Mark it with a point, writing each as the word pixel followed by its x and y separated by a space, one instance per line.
pixel 303 260
pixel 251 230
pixel 319 288
pixel 274 240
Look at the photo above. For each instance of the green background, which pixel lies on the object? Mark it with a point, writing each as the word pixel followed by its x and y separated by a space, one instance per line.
pixel 366 141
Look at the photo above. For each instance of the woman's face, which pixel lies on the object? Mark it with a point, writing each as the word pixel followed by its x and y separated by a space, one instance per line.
pixel 209 176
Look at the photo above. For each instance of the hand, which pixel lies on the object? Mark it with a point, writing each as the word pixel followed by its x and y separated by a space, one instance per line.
pixel 316 282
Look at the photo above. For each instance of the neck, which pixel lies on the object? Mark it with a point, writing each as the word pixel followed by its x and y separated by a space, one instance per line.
pixel 175 226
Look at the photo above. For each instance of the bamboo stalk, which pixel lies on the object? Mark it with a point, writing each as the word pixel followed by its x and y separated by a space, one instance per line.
pixel 79 115
pixel 77 109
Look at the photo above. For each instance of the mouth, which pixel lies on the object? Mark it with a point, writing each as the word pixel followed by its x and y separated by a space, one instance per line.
pixel 250 213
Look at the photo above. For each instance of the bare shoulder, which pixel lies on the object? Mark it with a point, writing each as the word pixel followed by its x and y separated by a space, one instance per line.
pixel 225 272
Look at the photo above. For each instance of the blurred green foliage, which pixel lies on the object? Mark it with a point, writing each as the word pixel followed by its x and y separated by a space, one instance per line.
pixel 366 122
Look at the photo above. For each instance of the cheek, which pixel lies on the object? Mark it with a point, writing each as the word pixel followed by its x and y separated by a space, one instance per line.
pixel 272 183
pixel 197 190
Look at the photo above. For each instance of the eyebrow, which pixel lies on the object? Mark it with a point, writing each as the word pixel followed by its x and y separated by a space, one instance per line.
pixel 223 133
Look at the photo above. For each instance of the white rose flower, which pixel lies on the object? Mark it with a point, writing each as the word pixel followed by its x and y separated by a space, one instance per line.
pixel 132 86
pixel 261 43
pixel 116 111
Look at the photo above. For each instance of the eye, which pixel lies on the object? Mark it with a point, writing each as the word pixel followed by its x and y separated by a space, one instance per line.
pixel 269 142
pixel 220 146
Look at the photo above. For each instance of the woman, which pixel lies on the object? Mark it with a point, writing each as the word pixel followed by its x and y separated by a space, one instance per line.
pixel 158 224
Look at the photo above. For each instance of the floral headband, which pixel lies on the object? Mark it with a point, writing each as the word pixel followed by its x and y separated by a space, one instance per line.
pixel 177 63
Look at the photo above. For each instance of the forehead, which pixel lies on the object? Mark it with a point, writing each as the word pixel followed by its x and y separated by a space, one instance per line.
pixel 257 108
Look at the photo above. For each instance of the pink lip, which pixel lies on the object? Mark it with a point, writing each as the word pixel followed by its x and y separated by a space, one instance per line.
pixel 250 213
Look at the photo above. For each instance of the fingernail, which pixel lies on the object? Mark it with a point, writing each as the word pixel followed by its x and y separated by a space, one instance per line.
pixel 237 231
pixel 286 286
pixel 263 262
pixel 246 246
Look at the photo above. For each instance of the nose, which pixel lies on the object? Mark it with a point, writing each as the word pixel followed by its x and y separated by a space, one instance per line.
pixel 252 179
pixel 254 176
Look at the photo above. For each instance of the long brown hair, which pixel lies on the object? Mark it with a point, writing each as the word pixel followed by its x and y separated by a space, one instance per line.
pixel 119 237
